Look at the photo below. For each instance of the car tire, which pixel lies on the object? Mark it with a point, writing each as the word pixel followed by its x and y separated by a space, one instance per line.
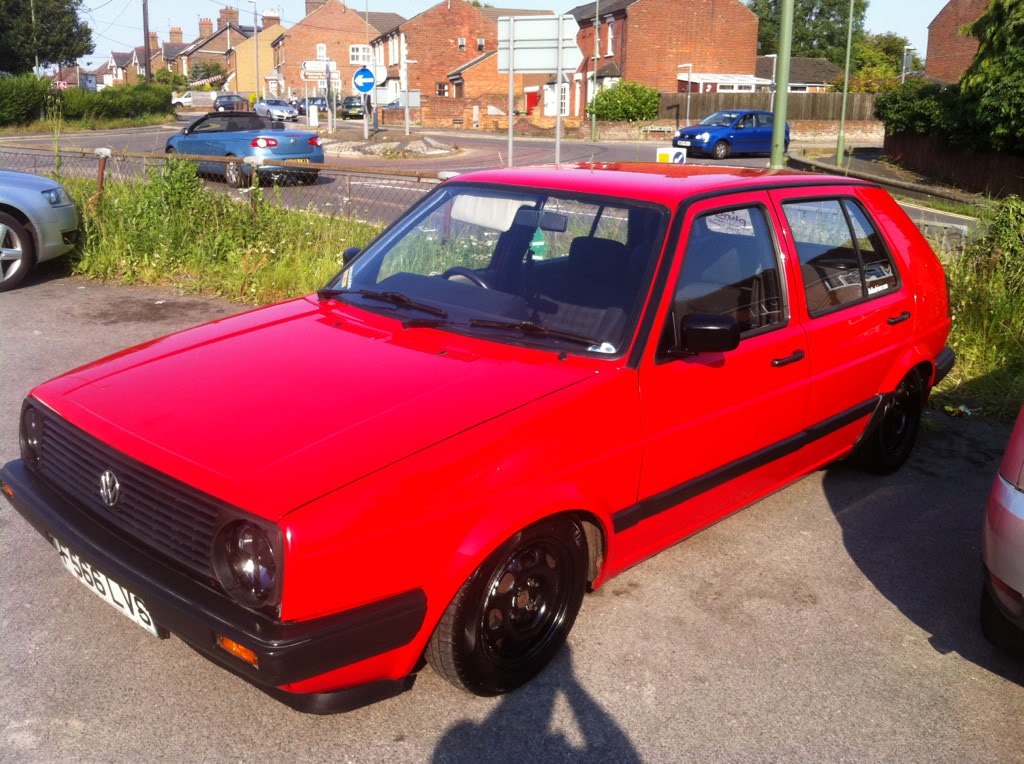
pixel 891 434
pixel 170 150
pixel 720 150
pixel 17 252
pixel 309 178
pixel 996 627
pixel 510 618
pixel 233 174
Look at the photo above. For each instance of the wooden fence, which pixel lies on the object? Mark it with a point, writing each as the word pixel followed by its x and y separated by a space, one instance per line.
pixel 860 107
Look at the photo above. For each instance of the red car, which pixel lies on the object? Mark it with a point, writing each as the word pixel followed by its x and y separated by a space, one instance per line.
pixel 535 379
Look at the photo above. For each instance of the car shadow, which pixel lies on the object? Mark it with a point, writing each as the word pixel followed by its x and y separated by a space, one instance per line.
pixel 535 709
pixel 916 534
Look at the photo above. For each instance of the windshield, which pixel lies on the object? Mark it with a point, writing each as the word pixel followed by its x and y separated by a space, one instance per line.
pixel 720 119
pixel 515 266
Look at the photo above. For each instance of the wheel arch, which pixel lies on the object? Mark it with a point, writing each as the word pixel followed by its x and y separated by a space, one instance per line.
pixel 914 360
pixel 25 220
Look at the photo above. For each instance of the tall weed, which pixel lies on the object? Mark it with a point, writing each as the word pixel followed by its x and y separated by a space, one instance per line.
pixel 986 290
pixel 171 229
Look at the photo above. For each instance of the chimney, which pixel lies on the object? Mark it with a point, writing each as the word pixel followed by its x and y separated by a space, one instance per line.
pixel 154 43
pixel 227 16
pixel 176 35
pixel 270 19
pixel 205 28
pixel 312 5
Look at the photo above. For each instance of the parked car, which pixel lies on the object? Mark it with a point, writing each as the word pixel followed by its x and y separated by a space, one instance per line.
pixel 733 131
pixel 276 109
pixel 240 134
pixel 308 103
pixel 182 100
pixel 38 222
pixel 1002 550
pixel 231 103
pixel 351 108
pixel 533 380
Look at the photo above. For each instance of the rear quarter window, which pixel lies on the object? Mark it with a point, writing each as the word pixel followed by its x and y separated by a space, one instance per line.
pixel 843 259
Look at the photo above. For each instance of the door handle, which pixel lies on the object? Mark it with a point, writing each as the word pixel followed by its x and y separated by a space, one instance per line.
pixel 898 319
pixel 796 355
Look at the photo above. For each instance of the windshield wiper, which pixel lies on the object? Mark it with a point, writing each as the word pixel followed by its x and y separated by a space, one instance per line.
pixel 531 327
pixel 395 298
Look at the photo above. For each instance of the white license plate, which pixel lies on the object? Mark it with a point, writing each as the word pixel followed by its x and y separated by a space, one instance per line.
pixel 683 143
pixel 107 589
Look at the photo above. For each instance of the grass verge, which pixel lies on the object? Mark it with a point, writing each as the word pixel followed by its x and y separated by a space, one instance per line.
pixel 170 229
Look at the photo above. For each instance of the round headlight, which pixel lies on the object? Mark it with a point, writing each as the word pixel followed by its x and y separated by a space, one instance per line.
pixel 704 137
pixel 246 565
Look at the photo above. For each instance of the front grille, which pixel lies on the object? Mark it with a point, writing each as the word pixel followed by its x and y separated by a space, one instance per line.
pixel 162 513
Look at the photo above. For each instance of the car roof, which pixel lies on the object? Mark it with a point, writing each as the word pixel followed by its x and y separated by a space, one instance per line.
pixel 661 182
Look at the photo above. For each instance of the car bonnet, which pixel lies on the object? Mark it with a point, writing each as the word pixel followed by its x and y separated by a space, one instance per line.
pixel 272 408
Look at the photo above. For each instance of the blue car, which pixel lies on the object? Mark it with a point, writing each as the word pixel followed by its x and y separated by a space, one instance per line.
pixel 732 131
pixel 244 134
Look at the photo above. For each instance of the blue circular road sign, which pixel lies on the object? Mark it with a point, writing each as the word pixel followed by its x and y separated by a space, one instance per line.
pixel 363 80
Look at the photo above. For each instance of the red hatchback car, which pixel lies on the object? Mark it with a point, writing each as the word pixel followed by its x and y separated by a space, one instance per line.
pixel 535 379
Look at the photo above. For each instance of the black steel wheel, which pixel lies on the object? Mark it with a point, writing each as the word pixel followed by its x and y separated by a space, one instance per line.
pixel 891 435
pixel 514 613
pixel 720 150
pixel 17 252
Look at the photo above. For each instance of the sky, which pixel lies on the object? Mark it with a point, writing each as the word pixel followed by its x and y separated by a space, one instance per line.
pixel 117 24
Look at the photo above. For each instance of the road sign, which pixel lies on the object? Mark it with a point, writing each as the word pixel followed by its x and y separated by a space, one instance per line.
pixel 531 44
pixel 363 80
pixel 319 67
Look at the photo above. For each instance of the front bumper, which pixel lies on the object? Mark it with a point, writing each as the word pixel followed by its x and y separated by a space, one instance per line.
pixel 287 652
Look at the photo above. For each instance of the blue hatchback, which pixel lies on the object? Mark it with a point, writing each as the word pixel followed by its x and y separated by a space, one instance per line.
pixel 731 131
pixel 241 134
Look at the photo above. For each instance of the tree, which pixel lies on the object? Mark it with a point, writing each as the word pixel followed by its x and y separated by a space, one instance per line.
pixel 204 70
pixel 626 101
pixel 57 37
pixel 820 31
pixel 877 63
pixel 993 85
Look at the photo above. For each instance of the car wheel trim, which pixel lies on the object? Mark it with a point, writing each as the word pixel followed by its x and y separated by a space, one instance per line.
pixel 16 252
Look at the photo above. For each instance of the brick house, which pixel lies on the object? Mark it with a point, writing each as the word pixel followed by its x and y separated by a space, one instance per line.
pixel 716 41
pixel 117 68
pixel 330 31
pixel 443 53
pixel 244 59
pixel 949 52
pixel 216 45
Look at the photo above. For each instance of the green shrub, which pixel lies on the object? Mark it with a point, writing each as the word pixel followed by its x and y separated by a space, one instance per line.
pixel 626 101
pixel 21 99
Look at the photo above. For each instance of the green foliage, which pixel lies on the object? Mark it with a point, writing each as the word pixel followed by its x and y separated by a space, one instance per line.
pixel 986 285
pixel 626 101
pixel 167 77
pixel 877 63
pixel 57 37
pixel 170 229
pixel 21 98
pixel 819 29
pixel 203 70
pixel 914 107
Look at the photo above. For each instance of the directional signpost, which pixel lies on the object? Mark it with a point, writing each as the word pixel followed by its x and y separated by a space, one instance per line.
pixel 537 45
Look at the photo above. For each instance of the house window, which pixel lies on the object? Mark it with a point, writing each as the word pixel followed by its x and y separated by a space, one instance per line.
pixel 611 38
pixel 462 43
pixel 321 51
pixel 563 99
pixel 441 91
pixel 359 55
pixel 480 44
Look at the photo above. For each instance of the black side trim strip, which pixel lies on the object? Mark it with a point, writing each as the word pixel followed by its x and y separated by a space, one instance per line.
pixel 944 362
pixel 654 505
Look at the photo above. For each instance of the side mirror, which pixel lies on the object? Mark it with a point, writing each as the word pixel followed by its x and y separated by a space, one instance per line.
pixel 706 333
pixel 349 255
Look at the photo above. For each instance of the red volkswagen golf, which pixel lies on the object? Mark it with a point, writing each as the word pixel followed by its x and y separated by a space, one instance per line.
pixel 535 379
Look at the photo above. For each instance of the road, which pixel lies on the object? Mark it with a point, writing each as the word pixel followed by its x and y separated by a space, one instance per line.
pixel 833 621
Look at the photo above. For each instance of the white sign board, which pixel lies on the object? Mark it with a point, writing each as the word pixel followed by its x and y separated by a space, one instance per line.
pixel 320 67
pixel 530 44
pixel 673 155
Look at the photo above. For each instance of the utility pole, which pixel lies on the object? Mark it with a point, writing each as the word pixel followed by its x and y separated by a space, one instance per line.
pixel 145 35
pixel 597 58
pixel 785 52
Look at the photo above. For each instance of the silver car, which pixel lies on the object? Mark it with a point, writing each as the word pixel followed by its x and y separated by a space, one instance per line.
pixel 1002 550
pixel 276 109
pixel 38 222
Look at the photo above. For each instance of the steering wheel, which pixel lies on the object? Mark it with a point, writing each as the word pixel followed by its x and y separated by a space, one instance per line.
pixel 466 273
